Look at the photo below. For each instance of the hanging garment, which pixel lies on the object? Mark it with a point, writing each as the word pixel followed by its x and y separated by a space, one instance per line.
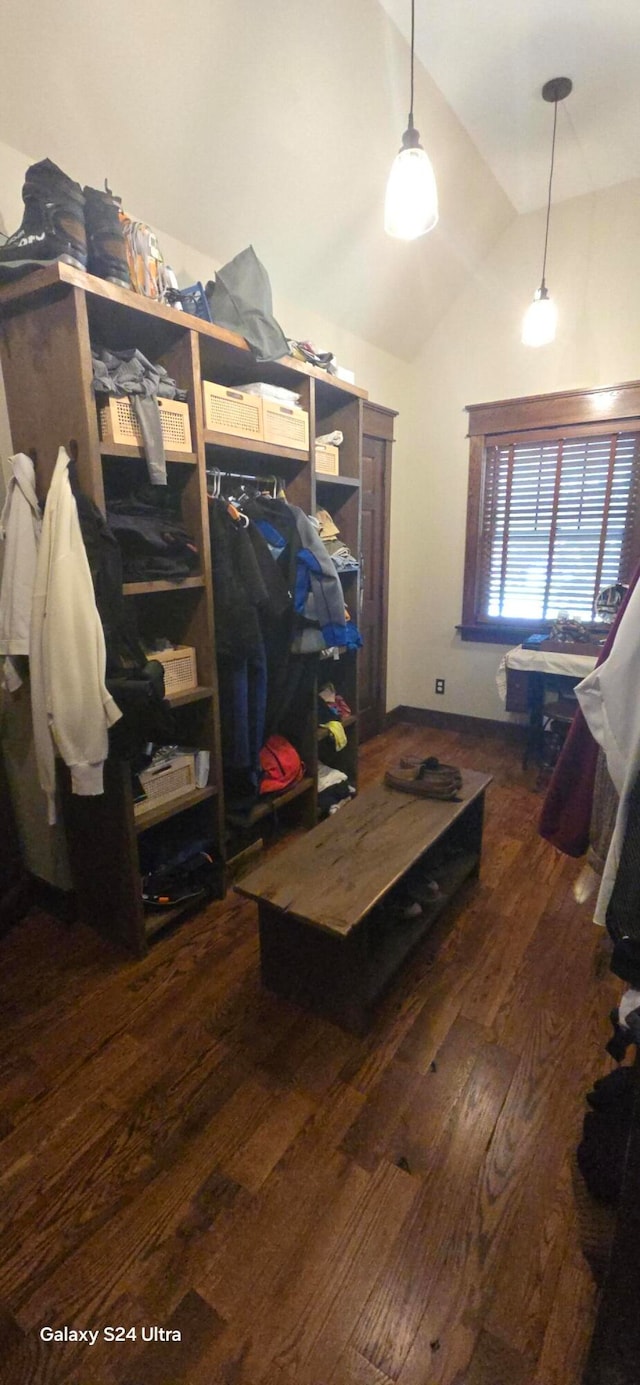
pixel 71 707
pixel 612 712
pixel 318 600
pixel 130 373
pixel 623 912
pixel 241 595
pixel 566 811
pixel 603 816
pixel 20 527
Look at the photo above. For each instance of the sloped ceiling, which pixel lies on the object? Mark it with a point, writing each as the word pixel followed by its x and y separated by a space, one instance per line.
pixel 226 122
pixel 490 59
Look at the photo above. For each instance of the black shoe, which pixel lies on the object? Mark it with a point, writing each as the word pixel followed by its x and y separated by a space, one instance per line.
pixel 105 238
pixel 52 226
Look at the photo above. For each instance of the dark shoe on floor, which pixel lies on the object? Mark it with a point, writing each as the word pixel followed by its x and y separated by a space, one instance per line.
pixel 427 778
pixel 52 225
pixel 105 238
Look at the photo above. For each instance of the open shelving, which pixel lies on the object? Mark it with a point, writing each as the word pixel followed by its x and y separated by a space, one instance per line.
pixel 55 315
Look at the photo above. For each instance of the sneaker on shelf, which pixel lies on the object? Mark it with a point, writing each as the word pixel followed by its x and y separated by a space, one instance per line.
pixel 106 248
pixel 52 225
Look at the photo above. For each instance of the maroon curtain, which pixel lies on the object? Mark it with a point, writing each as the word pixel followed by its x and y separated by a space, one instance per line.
pixel 566 811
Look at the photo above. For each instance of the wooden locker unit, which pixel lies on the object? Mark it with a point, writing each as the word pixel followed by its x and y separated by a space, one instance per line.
pixel 48 322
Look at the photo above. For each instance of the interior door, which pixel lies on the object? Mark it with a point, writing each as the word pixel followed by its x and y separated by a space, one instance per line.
pixel 373 578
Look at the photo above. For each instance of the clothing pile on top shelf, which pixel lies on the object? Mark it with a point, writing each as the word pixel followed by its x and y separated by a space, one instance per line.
pixel 579 811
pixel 240 299
pixel 334 789
pixel 154 543
pixel 277 597
pixel 324 360
pixel 341 557
pixel 129 373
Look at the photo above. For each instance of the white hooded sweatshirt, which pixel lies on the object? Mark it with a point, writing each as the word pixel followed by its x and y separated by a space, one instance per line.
pixel 71 707
pixel 20 527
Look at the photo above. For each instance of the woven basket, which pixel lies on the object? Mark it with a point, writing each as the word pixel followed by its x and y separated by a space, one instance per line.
pixel 166 781
pixel 285 425
pixel 118 423
pixel 180 669
pixel 231 411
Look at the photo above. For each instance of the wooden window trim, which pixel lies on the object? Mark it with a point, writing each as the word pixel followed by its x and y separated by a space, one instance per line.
pixel 576 413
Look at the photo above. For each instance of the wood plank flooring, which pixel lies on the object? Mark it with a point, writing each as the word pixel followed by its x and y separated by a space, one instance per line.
pixel 180 1148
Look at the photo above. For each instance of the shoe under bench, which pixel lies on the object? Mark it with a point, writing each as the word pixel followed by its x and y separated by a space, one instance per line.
pixel 328 939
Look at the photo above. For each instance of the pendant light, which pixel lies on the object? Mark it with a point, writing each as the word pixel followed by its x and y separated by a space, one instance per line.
pixel 541 318
pixel 411 203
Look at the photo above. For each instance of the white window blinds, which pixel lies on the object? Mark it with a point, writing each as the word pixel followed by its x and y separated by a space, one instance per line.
pixel 557 518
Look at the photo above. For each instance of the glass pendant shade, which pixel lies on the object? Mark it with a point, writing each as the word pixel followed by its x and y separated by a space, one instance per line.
pixel 411 202
pixel 540 320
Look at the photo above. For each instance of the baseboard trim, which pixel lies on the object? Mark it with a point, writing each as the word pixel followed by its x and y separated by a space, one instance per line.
pixel 456 721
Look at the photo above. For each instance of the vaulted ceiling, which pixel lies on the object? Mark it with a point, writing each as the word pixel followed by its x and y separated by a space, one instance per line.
pixel 224 122
pixel 490 58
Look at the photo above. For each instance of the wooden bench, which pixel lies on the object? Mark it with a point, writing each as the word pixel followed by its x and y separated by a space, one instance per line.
pixel 325 941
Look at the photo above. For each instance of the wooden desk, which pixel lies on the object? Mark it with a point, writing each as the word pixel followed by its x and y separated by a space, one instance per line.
pixel 324 940
pixel 531 673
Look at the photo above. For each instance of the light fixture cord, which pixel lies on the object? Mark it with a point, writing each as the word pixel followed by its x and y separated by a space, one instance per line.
pixel 413 30
pixel 553 154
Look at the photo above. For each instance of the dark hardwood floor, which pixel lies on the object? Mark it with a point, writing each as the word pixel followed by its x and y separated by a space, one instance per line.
pixel 304 1207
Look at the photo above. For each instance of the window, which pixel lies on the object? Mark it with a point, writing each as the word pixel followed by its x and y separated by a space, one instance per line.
pixel 554 511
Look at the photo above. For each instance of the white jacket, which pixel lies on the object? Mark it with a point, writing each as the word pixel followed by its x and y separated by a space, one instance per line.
pixel 71 707
pixel 611 705
pixel 20 527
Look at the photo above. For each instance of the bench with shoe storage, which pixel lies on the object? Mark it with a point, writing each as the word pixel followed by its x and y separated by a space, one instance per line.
pixel 334 911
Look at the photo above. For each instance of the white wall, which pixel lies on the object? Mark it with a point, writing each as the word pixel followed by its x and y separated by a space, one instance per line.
pixel 474 354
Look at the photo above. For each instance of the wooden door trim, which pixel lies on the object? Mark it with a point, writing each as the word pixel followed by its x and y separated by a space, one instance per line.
pixel 378 425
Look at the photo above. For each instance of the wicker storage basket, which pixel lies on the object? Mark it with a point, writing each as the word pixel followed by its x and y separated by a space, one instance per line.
pixel 327 459
pixel 118 423
pixel 165 781
pixel 285 425
pixel 180 669
pixel 231 411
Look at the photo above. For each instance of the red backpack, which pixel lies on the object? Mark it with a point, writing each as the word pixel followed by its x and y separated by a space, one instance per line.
pixel 281 765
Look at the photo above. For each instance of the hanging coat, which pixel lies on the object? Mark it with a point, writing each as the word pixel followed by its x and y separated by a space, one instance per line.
pixel 71 707
pixel 20 527
pixel 611 707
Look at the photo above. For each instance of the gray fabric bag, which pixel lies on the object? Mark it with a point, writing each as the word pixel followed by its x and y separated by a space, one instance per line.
pixel 241 300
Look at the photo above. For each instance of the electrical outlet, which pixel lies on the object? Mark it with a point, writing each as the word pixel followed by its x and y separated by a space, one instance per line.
pixel 439 685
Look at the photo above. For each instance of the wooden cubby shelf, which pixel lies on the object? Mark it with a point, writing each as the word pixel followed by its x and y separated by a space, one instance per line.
pixel 175 805
pixel 265 808
pixel 54 315
pixel 349 482
pixel 270 450
pixel 147 588
pixel 123 449
pixel 183 699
